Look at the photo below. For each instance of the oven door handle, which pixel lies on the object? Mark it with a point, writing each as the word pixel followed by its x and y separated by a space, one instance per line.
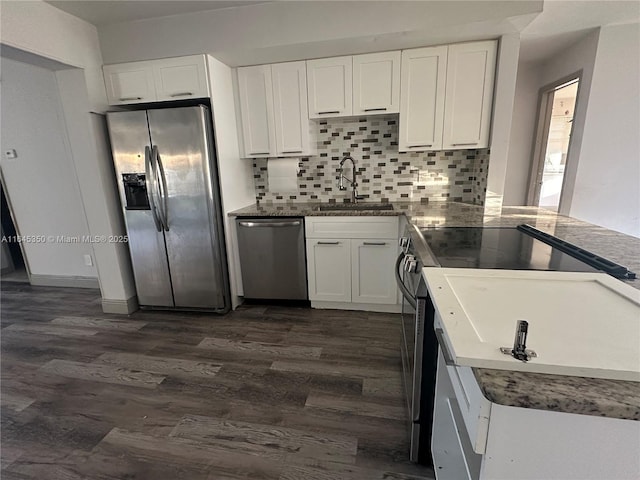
pixel 403 288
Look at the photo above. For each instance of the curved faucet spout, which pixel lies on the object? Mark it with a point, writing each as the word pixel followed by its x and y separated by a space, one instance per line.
pixel 352 180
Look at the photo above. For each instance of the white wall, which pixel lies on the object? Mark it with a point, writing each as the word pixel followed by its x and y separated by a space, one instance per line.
pixel 522 127
pixel 41 182
pixel 607 186
pixel 94 166
pixel 503 98
pixel 579 56
pixel 39 29
pixel 281 31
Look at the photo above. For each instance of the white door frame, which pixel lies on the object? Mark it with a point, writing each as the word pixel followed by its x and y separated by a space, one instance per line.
pixel 545 107
pixel 15 224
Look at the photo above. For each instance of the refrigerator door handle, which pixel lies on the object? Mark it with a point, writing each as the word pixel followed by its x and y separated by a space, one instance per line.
pixel 148 168
pixel 162 189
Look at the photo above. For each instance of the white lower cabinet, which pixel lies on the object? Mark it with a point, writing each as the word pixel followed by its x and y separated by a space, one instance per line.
pixel 478 440
pixel 350 262
pixel 329 269
pixel 372 260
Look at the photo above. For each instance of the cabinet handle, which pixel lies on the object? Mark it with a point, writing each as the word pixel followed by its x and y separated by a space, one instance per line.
pixel 181 94
pixel 383 109
pixel 326 113
pixel 124 99
pixel 374 243
pixel 260 153
pixel 419 146
pixel 295 223
pixel 463 144
pixel 328 243
pixel 292 151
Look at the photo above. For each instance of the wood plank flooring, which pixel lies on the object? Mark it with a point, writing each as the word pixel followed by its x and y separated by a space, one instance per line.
pixel 261 393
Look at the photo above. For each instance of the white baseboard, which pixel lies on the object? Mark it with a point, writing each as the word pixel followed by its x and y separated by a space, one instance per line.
pixel 63 281
pixel 123 307
pixel 363 307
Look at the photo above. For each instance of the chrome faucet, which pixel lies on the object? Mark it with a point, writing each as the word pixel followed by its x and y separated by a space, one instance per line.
pixel 352 181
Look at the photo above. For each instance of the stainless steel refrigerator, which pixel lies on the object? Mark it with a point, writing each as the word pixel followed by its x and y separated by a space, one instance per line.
pixel 167 178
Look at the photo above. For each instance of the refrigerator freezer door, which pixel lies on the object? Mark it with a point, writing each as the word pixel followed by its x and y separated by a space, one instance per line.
pixel 129 136
pixel 182 139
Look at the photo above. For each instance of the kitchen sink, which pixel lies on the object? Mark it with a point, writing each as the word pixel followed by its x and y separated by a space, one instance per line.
pixel 349 207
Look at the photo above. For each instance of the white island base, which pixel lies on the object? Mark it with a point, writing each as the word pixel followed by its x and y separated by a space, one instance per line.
pixel 476 439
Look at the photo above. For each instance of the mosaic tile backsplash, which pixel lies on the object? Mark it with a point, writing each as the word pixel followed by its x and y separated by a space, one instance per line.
pixel 384 174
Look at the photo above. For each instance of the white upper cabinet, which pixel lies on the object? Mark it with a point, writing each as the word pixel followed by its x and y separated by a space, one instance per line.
pixel 424 74
pixel 446 96
pixel 157 80
pixel 129 83
pixel 181 77
pixel 273 110
pixel 467 111
pixel 290 108
pixel 256 108
pixel 330 87
pixel 376 83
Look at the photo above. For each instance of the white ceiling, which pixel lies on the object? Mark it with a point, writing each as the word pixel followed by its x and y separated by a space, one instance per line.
pixel 105 12
pixel 560 24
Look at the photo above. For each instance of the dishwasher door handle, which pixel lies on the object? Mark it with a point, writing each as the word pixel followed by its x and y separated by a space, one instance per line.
pixel 295 223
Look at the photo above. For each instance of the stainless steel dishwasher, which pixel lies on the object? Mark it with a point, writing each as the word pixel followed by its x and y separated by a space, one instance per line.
pixel 273 258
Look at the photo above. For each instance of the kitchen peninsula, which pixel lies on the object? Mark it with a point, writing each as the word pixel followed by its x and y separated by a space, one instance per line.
pixel 580 397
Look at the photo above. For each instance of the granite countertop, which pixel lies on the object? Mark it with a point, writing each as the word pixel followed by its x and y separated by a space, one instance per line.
pixel 587 396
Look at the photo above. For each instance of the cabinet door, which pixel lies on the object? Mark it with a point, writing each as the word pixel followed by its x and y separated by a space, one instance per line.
pixel 181 77
pixel 467 111
pixel 128 83
pixel 256 110
pixel 330 87
pixel 290 108
pixel 422 99
pixel 372 263
pixel 329 269
pixel 376 83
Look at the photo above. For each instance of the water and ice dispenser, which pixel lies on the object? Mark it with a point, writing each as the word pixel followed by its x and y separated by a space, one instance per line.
pixel 135 191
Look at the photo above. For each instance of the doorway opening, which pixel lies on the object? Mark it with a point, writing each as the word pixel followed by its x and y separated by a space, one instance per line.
pixel 553 141
pixel 14 268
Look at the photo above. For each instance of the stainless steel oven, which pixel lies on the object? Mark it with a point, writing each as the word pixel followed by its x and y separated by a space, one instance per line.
pixel 419 345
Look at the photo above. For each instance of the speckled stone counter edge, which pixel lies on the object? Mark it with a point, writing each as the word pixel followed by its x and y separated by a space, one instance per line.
pixel 586 396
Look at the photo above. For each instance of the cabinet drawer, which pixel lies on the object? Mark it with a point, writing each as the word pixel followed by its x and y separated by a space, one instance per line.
pixel 474 406
pixel 352 227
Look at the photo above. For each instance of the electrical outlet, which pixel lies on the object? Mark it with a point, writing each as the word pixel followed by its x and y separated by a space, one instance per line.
pixel 88 261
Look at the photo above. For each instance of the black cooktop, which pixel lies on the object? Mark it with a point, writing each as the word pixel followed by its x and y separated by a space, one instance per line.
pixel 521 248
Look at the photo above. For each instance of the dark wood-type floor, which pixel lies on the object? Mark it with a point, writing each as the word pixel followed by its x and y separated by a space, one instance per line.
pixel 262 393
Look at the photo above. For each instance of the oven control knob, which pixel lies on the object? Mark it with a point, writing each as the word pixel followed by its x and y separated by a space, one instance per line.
pixel 408 260
pixel 405 243
pixel 411 266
